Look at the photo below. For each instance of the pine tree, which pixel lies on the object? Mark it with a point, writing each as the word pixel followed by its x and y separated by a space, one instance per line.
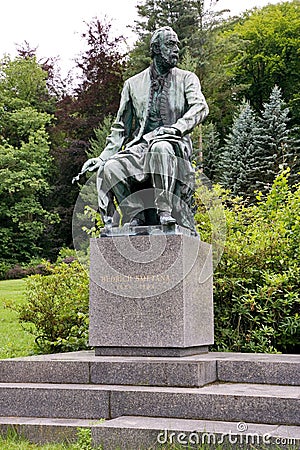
pixel 239 166
pixel 98 143
pixel 279 146
pixel 257 149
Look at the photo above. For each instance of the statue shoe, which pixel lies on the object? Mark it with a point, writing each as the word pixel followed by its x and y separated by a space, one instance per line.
pixel 165 218
pixel 108 222
pixel 136 222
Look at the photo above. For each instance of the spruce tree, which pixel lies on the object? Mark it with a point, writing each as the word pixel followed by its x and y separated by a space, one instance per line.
pixel 280 148
pixel 239 166
pixel 257 149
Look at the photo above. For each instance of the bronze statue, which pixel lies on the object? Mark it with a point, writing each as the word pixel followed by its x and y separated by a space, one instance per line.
pixel 149 147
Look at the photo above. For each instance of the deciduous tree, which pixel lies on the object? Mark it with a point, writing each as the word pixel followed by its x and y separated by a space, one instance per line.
pixel 24 158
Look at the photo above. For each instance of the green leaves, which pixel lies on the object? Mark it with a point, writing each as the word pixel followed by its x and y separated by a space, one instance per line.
pixel 23 83
pixel 57 307
pixel 269 38
pixel 24 158
pixel 257 281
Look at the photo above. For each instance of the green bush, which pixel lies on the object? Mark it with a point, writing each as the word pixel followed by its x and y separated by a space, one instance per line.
pixel 56 310
pixel 4 267
pixel 256 284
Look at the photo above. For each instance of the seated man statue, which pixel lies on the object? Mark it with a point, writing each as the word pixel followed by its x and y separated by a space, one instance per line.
pixel 149 147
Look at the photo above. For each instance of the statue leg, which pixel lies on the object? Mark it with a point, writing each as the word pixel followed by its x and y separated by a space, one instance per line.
pixel 116 180
pixel 163 170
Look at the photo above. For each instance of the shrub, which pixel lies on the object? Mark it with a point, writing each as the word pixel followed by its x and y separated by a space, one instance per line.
pixel 4 267
pixel 18 271
pixel 256 284
pixel 56 311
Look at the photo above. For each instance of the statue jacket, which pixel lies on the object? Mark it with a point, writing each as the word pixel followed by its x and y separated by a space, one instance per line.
pixel 182 106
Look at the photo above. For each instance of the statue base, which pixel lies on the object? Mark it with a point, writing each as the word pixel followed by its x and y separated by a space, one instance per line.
pixel 127 230
pixel 150 295
pixel 150 351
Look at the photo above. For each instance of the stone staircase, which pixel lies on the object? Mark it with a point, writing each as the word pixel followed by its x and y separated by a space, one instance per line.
pixel 243 400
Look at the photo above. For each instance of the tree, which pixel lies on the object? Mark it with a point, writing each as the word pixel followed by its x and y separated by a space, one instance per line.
pixel 239 167
pixel 24 158
pixel 280 148
pixel 23 83
pixel 258 148
pixel 211 151
pixel 67 162
pixel 78 113
pixel 98 143
pixel 267 54
pixel 99 87
pixel 56 86
pixel 184 16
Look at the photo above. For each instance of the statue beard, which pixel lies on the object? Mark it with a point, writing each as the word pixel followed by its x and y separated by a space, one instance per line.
pixel 164 64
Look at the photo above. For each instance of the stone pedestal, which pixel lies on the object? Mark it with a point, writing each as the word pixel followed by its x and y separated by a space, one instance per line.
pixel 151 295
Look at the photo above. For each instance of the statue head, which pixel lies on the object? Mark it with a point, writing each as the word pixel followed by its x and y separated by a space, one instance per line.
pixel 164 46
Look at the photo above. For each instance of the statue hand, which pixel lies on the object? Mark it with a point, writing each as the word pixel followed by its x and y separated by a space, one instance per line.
pixel 166 130
pixel 92 164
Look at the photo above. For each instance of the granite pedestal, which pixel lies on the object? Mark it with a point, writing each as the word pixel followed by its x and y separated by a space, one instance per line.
pixel 150 295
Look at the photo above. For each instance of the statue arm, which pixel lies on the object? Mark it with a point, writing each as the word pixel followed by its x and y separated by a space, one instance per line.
pixel 198 108
pixel 120 131
pixel 121 128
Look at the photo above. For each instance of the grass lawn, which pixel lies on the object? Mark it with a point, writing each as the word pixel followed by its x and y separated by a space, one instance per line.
pixel 14 340
pixel 14 442
pixel 19 444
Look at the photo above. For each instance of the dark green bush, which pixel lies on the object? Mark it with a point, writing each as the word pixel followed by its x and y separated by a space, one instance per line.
pixel 18 271
pixel 256 284
pixel 4 267
pixel 56 311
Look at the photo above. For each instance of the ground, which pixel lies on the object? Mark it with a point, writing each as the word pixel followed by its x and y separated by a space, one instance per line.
pixel 14 340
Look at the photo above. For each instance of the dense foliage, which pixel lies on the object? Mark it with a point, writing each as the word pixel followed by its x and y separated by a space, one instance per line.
pixel 268 41
pixel 25 160
pixel 78 112
pixel 57 307
pixel 257 282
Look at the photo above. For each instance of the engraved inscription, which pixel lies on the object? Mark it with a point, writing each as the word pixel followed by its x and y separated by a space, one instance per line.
pixel 144 282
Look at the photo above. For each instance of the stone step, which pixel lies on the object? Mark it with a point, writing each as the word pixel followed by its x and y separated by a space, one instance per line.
pixel 128 432
pixel 190 371
pixel 70 401
pixel 85 367
pixel 256 403
pixel 258 368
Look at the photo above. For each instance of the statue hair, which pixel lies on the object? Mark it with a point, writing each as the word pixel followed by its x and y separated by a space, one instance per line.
pixel 156 37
